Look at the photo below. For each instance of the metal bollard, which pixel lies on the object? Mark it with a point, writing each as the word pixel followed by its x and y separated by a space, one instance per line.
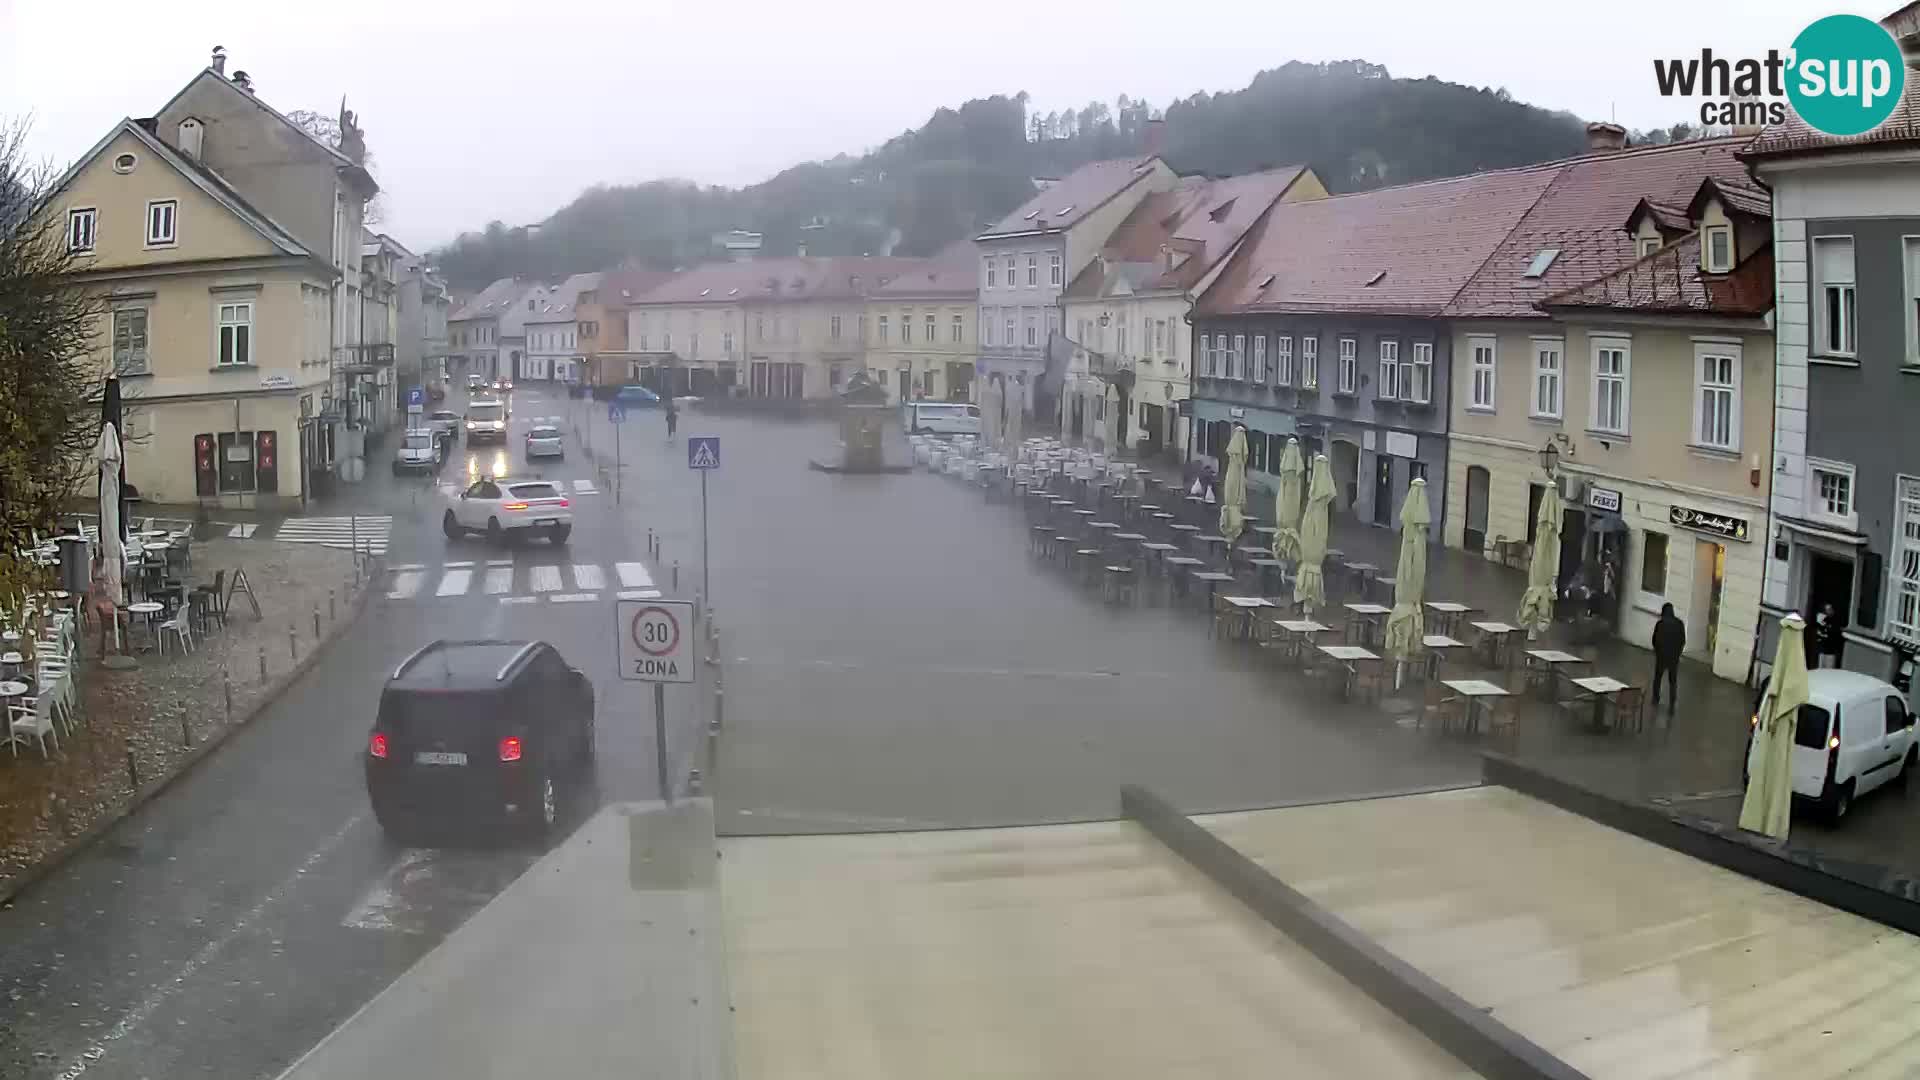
pixel 293 644
pixel 263 663
pixel 331 614
pixel 676 575
pixel 133 770
pixel 186 733
pixel 316 622
pixel 719 710
pixel 226 684
pixel 649 541
pixel 693 782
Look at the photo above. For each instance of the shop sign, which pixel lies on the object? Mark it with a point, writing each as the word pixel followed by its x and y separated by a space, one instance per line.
pixel 1725 525
pixel 1600 498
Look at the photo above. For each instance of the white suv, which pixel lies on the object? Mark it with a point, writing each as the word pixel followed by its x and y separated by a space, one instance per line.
pixel 501 507
pixel 1854 734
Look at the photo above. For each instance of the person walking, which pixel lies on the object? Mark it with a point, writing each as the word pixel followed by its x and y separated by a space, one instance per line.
pixel 1831 638
pixel 673 419
pixel 1669 641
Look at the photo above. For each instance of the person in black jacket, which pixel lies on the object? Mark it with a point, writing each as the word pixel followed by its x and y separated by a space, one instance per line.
pixel 1669 641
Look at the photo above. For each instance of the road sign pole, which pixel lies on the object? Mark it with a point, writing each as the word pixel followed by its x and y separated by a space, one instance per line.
pixel 616 464
pixel 660 739
pixel 706 576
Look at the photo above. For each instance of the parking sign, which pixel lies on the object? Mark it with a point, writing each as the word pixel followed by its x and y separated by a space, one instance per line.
pixel 656 640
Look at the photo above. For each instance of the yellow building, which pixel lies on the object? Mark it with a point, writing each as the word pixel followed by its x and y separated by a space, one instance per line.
pixel 923 339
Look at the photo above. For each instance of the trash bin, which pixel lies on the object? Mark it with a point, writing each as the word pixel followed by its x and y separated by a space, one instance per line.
pixel 74 565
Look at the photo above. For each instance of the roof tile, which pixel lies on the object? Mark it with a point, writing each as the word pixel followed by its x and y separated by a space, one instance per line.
pixel 1201 219
pixel 1072 197
pixel 1670 281
pixel 1796 136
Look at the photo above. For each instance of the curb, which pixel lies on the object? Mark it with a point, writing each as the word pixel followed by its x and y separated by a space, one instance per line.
pixel 275 690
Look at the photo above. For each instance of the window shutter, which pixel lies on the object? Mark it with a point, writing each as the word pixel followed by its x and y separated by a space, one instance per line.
pixel 266 460
pixel 205 474
pixel 1867 614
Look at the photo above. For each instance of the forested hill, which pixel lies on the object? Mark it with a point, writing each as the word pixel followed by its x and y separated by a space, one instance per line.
pixel 1355 124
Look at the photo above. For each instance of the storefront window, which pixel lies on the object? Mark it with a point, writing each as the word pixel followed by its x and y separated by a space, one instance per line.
pixel 1653 564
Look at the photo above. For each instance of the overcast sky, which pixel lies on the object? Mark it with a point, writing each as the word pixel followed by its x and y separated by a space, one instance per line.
pixel 487 109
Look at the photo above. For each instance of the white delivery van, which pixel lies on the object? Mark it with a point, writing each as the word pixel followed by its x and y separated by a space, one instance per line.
pixel 943 418
pixel 1854 734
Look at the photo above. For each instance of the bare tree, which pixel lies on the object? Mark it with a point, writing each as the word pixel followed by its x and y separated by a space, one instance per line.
pixel 327 129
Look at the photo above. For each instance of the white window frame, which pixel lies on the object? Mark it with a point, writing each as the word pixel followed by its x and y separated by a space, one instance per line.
pixel 156 238
pixel 1208 366
pixel 882 326
pixel 1033 270
pixel 227 328
pixel 1702 350
pixel 1621 424
pixel 1646 246
pixel 992 271
pixel 931 324
pixel 1816 502
pixel 1349 374
pixel 1421 390
pixel 833 327
pixel 1053 268
pixel 1310 362
pixel 82 228
pixel 1008 323
pixel 959 329
pixel 134 360
pixel 1843 341
pixel 1237 359
pixel 1903 575
pixel 1283 360
pixel 1910 250
pixel 1554 379
pixel 1707 237
pixel 1033 330
pixel 1260 358
pixel 1389 369
pixel 1010 263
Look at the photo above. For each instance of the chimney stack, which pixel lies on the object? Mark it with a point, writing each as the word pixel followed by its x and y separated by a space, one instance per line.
pixel 1604 137
pixel 1156 133
pixel 244 81
pixel 219 60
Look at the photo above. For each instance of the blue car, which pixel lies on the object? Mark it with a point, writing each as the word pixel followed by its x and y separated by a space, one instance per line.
pixel 633 394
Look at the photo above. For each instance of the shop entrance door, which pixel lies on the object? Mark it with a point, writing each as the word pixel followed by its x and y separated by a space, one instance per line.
pixel 1709 575
pixel 1383 489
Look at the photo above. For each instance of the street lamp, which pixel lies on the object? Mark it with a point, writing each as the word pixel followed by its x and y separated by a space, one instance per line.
pixel 1549 457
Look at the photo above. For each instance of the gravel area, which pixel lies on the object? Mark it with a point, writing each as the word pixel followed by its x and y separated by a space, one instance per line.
pixel 139 728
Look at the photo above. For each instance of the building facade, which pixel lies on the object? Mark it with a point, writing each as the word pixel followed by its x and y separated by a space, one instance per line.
pixel 556 335
pixel 473 329
pixel 922 324
pixel 421 351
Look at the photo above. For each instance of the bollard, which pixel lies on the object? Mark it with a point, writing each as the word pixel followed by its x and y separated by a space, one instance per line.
pixel 293 644
pixel 331 614
pixel 133 770
pixel 61 816
pixel 719 710
pixel 676 575
pixel 226 684
pixel 649 541
pixel 186 733
pixel 316 622
pixel 263 663
pixel 693 781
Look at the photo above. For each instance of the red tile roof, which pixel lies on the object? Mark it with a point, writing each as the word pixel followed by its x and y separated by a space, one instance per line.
pixel 1201 219
pixel 1417 244
pixel 1670 281
pixel 1581 214
pixel 953 271
pixel 621 287
pixel 1795 136
pixel 793 278
pixel 1072 197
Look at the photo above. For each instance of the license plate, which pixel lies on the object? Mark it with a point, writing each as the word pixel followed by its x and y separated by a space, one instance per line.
pixel 437 757
pixel 548 521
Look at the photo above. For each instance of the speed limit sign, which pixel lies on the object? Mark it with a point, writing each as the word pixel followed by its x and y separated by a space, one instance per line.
pixel 656 640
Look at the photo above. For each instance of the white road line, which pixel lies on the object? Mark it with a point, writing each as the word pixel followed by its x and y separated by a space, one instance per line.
pixel 405 584
pixel 640 594
pixel 407 566
pixel 574 597
pixel 454 583
pixel 499 580
pixel 457 565
pixel 588 576
pixel 633 575
pixel 242 532
pixel 518 599
pixel 545 579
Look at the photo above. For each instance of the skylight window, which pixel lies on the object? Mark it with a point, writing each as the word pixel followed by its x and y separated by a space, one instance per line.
pixel 1031 214
pixel 1065 210
pixel 1265 281
pixel 704 292
pixel 1538 267
pixel 1375 279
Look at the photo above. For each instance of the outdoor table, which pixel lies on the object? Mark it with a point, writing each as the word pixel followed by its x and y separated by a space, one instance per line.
pixel 1349 657
pixel 147 609
pixel 1475 691
pixel 10 689
pixel 1544 661
pixel 1118 584
pixel 1130 536
pixel 1366 617
pixel 1264 566
pixel 1240 612
pixel 1438 646
pixel 1268 531
pixel 1448 613
pixel 12 661
pixel 1296 633
pixel 1112 526
pixel 1362 573
pixel 1494 635
pixel 1177 563
pixel 1184 530
pixel 1213 579
pixel 1156 552
pixel 1601 689
pixel 1210 540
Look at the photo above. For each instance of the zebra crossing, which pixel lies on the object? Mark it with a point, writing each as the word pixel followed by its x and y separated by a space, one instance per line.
pixel 506 583
pixel 365 533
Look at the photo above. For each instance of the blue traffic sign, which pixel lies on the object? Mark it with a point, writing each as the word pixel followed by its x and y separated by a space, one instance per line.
pixel 703 451
pixel 616 413
pixel 416 396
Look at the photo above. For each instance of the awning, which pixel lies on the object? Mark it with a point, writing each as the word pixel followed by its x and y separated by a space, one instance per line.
pixel 1834 535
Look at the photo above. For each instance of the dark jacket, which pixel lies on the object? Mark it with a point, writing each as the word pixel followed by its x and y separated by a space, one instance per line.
pixel 1669 638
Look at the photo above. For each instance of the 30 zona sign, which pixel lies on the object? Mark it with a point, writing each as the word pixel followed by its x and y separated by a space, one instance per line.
pixel 656 640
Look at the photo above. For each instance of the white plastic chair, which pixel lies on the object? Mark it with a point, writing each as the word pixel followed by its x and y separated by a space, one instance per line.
pixel 57 683
pixel 180 628
pixel 36 720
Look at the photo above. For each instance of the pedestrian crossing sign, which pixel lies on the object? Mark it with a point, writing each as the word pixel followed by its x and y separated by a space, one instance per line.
pixel 703 451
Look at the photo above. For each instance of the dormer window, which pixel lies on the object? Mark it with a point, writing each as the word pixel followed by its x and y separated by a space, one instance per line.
pixel 1647 245
pixel 1718 248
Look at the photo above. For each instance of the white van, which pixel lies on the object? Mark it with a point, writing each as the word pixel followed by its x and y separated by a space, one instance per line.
pixel 1854 734
pixel 943 418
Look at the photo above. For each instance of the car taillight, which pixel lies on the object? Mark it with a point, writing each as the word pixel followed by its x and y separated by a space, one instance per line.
pixel 513 506
pixel 510 748
pixel 565 503
pixel 377 746
pixel 1833 743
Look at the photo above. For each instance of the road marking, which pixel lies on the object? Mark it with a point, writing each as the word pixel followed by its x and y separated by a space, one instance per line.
pixel 585 487
pixel 575 597
pixel 518 599
pixel 457 565
pixel 588 576
pixel 633 575
pixel 454 583
pixel 242 532
pixel 499 580
pixel 640 594
pixel 138 1015
pixel 408 566
pixel 405 584
pixel 367 533
pixel 546 579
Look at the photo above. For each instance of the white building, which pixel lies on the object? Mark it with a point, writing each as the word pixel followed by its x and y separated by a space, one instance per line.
pixel 553 333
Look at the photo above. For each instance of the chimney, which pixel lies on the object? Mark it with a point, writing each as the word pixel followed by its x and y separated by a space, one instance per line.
pixel 244 81
pixel 191 133
pixel 1156 133
pixel 219 60
pixel 800 251
pixel 1604 137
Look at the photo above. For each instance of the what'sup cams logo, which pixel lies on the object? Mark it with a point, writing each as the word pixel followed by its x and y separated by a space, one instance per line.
pixel 1843 76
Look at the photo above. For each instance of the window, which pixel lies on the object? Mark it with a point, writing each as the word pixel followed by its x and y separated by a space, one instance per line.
pixel 666 340
pixel 80 229
pixel 958 331
pixel 160 220
pixel 833 328
pixel 1260 358
pixel 1053 321
pixel 1422 372
pixel 906 328
pixel 1349 376
pixel 933 332
pixel 726 342
pixel 1913 299
pixel 693 344
pixel 1008 324
pixel 1310 362
pixel 1653 564
pixel 1237 360
pixel 236 334
pixel 1611 370
pixel 1717 418
pixel 1830 492
pixel 1546 378
pixel 1053 268
pixel 1283 360
pixel 992 270
pixel 1646 246
pixel 1206 355
pixel 1012 274
pixel 1033 329
pixel 1389 370
pixel 1719 249
pixel 882 325
pixel 1159 337
pixel 986 326
pixel 1905 622
pixel 1033 270
pixel 130 341
pixel 882 373
pixel 1833 270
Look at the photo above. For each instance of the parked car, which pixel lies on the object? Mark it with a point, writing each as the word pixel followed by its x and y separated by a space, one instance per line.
pixel 486 421
pixel 501 508
pixel 445 422
pixel 495 733
pixel 1854 734
pixel 475 382
pixel 544 441
pixel 635 394
pixel 419 451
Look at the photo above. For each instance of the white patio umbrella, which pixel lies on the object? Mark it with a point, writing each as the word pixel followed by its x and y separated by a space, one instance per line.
pixel 1309 583
pixel 110 454
pixel 1768 805
pixel 1536 604
pixel 1233 508
pixel 1286 502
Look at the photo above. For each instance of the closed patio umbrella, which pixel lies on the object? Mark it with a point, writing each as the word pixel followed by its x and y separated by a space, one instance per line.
pixel 1015 409
pixel 1536 604
pixel 1233 500
pixel 1286 502
pixel 112 460
pixel 1309 586
pixel 1768 805
pixel 990 414
pixel 1410 576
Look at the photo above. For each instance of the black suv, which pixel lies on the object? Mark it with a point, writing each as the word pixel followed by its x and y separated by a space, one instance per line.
pixel 492 732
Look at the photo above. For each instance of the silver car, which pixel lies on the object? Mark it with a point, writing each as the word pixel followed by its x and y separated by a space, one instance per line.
pixel 419 452
pixel 544 441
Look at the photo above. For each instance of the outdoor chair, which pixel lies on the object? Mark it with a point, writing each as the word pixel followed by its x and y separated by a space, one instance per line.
pixel 1120 584
pixel 33 718
pixel 56 684
pixel 179 628
pixel 1441 705
pixel 1629 706
pixel 1503 715
pixel 1370 679
pixel 1037 539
